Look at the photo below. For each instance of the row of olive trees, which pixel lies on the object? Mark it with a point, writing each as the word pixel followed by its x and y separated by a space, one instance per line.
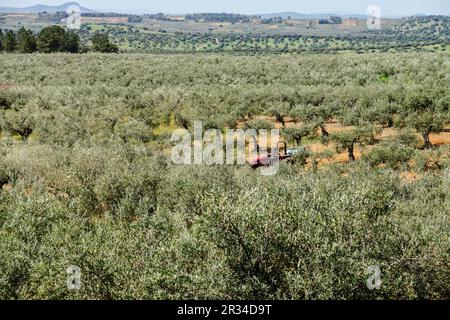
pixel 140 228
pixel 420 110
pixel 90 183
pixel 142 97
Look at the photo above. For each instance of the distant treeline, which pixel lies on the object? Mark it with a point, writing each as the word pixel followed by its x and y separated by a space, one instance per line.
pixel 272 20
pixel 53 17
pixel 219 17
pixel 427 19
pixel 158 16
pixel 51 39
pixel 131 17
pixel 60 15
pixel 105 15
pixel 331 20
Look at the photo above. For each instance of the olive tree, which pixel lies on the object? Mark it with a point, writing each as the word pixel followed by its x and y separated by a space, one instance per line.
pixel 426 123
pixel 317 116
pixel 20 123
pixel 346 140
pixel 296 134
pixel 257 126
pixel 422 112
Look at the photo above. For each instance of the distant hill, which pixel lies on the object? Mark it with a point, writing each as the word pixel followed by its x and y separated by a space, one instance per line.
pixel 296 15
pixel 317 16
pixel 41 8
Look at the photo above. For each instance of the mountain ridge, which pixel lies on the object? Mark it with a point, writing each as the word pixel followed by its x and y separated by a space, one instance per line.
pixel 285 14
pixel 41 8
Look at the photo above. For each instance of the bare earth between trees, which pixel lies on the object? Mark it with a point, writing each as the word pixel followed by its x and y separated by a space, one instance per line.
pixel 333 126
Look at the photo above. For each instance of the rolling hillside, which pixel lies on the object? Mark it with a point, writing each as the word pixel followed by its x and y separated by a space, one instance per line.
pixel 41 8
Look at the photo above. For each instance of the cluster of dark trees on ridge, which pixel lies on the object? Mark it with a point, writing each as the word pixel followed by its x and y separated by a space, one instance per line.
pixel 52 39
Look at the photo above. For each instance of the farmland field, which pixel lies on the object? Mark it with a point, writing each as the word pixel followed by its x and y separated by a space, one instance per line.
pixel 159 36
pixel 225 156
pixel 86 176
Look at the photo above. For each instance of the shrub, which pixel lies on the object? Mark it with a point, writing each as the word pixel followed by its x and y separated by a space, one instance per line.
pixel 101 43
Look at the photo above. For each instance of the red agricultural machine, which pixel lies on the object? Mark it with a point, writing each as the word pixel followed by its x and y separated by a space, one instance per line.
pixel 268 159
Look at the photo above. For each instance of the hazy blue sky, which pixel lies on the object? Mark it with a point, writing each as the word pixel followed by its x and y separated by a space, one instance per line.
pixel 389 7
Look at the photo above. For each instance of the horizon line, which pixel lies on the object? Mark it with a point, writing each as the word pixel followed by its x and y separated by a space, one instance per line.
pixel 144 11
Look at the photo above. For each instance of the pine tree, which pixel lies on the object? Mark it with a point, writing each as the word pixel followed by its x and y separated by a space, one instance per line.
pixel 51 39
pixel 71 42
pixel 26 41
pixel 10 42
pixel 1 40
pixel 101 43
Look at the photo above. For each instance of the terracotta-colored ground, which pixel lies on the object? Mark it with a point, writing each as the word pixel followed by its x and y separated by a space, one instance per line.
pixel 99 20
pixel 4 86
pixel 334 126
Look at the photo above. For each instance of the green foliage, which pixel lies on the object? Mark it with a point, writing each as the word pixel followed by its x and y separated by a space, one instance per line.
pixel 259 125
pixel 423 112
pixel 432 160
pixel 9 42
pixel 218 17
pixel 363 134
pixel 26 41
pixel 317 157
pixel 101 43
pixel 407 138
pixel 71 42
pixel 51 39
pixel 254 35
pixel 426 123
pixel 1 40
pixel 300 158
pixel 317 115
pixel 20 123
pixel 310 242
pixel 394 155
pixel 134 19
pixel 6 99
pixel 296 134
pixel 184 233
pixel 93 184
pixel 156 33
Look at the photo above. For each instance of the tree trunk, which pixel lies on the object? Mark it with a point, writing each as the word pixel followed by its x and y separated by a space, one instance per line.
pixel 315 165
pixel 390 122
pixel 256 144
pixel 426 139
pixel 298 141
pixel 351 155
pixel 324 131
pixel 25 133
pixel 113 124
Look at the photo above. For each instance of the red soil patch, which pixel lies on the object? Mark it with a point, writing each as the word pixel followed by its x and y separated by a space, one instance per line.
pixel 7 187
pixel 440 139
pixel 4 86
pixel 409 176
pixel 334 126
